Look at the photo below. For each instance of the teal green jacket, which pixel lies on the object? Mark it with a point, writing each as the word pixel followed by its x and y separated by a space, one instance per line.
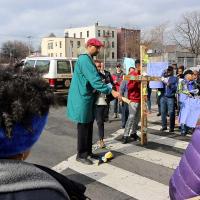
pixel 81 97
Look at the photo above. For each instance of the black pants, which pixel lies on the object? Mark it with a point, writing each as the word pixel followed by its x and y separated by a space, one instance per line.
pixel 117 107
pixel 106 112
pixel 100 117
pixel 84 146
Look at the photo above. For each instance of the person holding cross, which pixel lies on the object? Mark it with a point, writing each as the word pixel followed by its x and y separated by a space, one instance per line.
pixel 134 106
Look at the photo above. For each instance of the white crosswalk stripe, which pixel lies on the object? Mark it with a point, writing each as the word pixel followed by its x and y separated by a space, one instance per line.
pixel 153 156
pixel 129 182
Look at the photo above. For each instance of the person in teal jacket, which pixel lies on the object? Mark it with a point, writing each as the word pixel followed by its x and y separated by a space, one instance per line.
pixel 81 98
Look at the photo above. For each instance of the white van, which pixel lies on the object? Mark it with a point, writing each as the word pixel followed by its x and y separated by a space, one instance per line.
pixel 57 71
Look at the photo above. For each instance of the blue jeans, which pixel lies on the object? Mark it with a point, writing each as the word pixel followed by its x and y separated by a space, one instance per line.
pixel 167 105
pixel 117 106
pixel 125 113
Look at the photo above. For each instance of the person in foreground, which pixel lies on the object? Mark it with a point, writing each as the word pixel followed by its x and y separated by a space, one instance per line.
pixel 81 99
pixel 185 181
pixel 25 99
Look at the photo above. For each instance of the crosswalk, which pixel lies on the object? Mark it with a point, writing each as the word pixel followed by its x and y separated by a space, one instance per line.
pixel 138 172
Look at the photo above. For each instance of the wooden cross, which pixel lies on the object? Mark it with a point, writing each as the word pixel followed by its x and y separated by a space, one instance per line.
pixel 143 81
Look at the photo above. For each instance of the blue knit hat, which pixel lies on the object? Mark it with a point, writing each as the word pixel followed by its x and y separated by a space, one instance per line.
pixel 22 139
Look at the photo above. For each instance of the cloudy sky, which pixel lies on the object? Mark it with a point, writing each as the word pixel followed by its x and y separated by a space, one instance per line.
pixel 37 18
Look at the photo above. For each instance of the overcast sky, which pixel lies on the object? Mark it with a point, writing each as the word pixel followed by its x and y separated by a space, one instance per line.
pixel 38 18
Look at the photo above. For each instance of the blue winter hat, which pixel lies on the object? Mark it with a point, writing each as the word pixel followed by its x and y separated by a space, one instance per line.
pixel 22 139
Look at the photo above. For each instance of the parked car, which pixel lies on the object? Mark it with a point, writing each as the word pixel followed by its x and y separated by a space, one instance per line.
pixel 57 71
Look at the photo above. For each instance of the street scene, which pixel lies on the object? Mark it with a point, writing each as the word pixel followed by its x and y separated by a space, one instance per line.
pixel 149 167
pixel 100 100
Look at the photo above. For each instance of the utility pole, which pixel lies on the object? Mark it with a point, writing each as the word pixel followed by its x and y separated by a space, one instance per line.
pixel 29 44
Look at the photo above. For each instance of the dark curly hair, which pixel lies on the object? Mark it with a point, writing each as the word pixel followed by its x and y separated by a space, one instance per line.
pixel 23 94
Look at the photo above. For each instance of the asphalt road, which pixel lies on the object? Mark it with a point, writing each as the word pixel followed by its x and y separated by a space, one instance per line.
pixel 134 168
pixel 58 140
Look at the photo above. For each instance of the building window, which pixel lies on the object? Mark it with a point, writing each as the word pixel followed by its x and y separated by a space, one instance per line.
pixel 78 44
pixel 113 55
pixel 104 32
pixel 56 54
pixel 56 44
pixel 50 45
pixel 81 35
pixel 74 35
pixel 113 34
pixel 99 33
pixel 60 54
pixel 51 54
pixel 113 44
pixel 107 33
pixel 72 44
pixel 88 34
pixel 60 44
pixel 66 34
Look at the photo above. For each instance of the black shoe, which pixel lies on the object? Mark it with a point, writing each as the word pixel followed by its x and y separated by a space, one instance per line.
pixel 94 156
pixel 159 114
pixel 84 161
pixel 183 133
pixel 132 135
pixel 125 140
pixel 135 137
pixel 171 130
pixel 163 129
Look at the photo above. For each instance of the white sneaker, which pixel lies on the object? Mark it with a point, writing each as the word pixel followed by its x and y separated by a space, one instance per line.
pixel 114 115
pixel 138 134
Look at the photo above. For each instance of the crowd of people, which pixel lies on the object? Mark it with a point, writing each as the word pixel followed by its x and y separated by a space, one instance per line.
pixel 176 83
pixel 97 86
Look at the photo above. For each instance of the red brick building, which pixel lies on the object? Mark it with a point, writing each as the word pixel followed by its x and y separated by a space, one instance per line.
pixel 128 43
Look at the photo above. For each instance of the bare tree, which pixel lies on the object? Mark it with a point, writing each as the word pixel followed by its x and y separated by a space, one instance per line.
pixel 155 37
pixel 187 32
pixel 12 51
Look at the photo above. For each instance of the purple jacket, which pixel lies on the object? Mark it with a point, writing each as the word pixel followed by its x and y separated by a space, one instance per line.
pixel 185 182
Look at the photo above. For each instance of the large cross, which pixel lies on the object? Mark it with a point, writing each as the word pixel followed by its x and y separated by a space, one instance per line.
pixel 143 85
pixel 143 81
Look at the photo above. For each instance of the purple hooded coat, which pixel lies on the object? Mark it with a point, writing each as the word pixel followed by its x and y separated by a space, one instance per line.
pixel 185 182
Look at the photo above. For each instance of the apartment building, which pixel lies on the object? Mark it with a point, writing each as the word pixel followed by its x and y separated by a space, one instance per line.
pixel 128 43
pixel 106 34
pixel 61 46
